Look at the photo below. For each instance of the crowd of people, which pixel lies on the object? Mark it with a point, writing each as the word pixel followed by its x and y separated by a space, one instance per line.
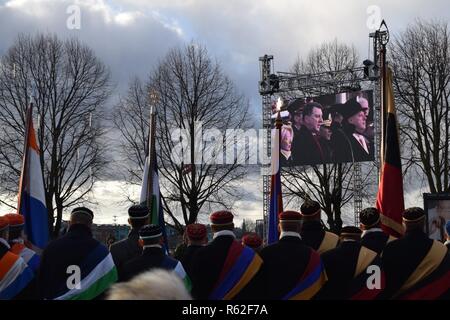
pixel 317 134
pixel 307 262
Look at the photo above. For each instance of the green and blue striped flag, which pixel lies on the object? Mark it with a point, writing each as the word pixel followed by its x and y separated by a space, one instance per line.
pixel 156 212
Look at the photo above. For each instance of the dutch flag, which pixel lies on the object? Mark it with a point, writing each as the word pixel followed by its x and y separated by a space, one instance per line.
pixel 31 202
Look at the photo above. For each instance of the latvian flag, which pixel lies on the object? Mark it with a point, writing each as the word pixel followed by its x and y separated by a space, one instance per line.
pixel 31 200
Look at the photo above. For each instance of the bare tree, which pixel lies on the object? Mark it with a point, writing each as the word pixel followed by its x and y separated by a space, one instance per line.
pixel 192 90
pixel 71 86
pixel 330 184
pixel 328 57
pixel 421 60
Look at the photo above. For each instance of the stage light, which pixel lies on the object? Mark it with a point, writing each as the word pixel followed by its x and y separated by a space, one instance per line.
pixel 274 82
pixel 370 70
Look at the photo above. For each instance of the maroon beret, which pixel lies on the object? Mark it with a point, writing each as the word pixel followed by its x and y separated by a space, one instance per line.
pixel 221 217
pixel 252 240
pixel 196 231
pixel 290 215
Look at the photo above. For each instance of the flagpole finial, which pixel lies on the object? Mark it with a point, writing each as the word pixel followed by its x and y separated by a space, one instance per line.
pixel 384 31
pixel 33 93
pixel 153 98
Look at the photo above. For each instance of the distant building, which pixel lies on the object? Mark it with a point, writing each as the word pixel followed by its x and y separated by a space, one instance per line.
pixel 110 233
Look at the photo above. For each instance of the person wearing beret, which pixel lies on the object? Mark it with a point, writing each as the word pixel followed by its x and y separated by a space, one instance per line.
pixel 129 248
pixel 349 143
pixel 348 267
pixel 291 270
pixel 373 237
pixel 224 267
pixel 313 232
pixel 308 150
pixel 76 266
pixel 196 237
pixel 416 266
pixel 16 277
pixel 152 257
pixel 17 241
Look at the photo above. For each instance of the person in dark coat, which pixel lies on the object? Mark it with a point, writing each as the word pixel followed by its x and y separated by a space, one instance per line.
pixel 349 143
pixel 373 237
pixel 152 257
pixel 129 248
pixel 291 270
pixel 196 238
pixel 309 150
pixel 313 233
pixel 348 267
pixel 222 269
pixel 76 266
pixel 416 266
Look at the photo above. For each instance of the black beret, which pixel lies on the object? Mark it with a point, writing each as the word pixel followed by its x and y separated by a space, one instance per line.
pixel 369 217
pixel 350 231
pixel 83 210
pixel 310 208
pixel 413 214
pixel 296 105
pixel 350 108
pixel 150 231
pixel 138 212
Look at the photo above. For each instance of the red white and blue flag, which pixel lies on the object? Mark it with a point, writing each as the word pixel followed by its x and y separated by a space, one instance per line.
pixel 31 202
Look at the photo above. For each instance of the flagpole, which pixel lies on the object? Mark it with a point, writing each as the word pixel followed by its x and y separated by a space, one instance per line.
pixel 383 38
pixel 275 197
pixel 151 153
pixel 29 115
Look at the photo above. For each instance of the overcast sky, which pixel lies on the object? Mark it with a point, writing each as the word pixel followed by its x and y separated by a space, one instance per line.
pixel 130 36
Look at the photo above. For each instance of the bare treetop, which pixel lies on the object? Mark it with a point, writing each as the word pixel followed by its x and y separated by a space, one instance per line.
pixel 71 87
pixel 191 90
